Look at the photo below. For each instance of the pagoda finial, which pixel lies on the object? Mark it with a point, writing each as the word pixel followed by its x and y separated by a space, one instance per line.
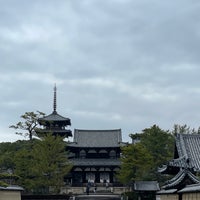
pixel 54 100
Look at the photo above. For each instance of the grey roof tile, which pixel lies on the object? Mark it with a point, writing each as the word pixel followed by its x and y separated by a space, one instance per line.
pixel 190 188
pixel 54 116
pixel 12 187
pixel 188 148
pixel 95 162
pixel 146 186
pixel 97 138
pixel 176 180
pixel 187 160
pixel 170 191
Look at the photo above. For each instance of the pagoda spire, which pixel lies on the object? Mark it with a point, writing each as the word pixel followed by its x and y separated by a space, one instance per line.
pixel 54 123
pixel 54 100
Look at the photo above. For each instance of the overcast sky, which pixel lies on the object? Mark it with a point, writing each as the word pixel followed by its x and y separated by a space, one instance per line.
pixel 125 64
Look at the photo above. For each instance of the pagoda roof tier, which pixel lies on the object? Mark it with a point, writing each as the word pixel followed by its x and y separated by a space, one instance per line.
pixel 61 132
pixel 54 117
pixel 97 138
pixel 95 162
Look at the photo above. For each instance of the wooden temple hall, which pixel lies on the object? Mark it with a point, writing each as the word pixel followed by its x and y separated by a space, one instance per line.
pixel 94 154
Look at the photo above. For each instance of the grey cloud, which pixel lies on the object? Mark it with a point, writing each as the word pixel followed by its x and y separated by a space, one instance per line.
pixel 117 64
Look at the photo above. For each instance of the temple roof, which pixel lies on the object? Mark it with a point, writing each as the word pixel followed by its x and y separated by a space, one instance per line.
pixel 12 188
pixel 170 191
pixel 187 153
pixel 179 178
pixel 146 186
pixel 188 147
pixel 95 162
pixel 97 138
pixel 186 160
pixel 190 188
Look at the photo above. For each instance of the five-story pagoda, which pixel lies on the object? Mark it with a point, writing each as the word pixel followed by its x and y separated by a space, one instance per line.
pixel 54 123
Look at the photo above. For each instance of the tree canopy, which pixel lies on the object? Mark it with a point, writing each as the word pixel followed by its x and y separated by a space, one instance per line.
pixel 136 162
pixel 38 164
pixel 28 124
pixel 184 129
pixel 140 160
pixel 159 143
pixel 50 162
pixel 41 162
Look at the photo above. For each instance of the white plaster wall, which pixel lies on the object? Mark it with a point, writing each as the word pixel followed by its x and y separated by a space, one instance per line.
pixel 10 195
pixel 191 196
pixel 167 197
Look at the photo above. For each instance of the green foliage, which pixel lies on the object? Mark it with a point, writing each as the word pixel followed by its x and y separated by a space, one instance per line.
pixel 8 176
pixel 8 152
pixel 40 163
pixel 6 179
pixel 50 162
pixel 6 156
pixel 136 161
pixel 130 196
pixel 136 196
pixel 136 136
pixel 23 167
pixel 184 129
pixel 141 160
pixel 3 184
pixel 160 144
pixel 28 124
pixel 34 164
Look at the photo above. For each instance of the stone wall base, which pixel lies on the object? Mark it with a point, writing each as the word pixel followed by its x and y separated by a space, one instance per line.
pixel 82 190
